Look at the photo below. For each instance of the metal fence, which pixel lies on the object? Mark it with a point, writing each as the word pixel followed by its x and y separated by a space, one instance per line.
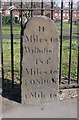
pixel 42 9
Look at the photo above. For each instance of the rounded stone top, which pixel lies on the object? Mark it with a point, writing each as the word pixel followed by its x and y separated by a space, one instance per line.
pixel 41 24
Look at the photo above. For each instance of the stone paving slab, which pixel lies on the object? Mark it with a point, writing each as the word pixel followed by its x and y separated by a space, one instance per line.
pixel 58 109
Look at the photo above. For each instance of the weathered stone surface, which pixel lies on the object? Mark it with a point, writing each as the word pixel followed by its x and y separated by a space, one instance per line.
pixel 40 61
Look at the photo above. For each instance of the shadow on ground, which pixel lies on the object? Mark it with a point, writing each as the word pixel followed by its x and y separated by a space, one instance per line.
pixel 11 92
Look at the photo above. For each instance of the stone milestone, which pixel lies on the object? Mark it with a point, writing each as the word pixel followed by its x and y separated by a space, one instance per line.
pixel 40 61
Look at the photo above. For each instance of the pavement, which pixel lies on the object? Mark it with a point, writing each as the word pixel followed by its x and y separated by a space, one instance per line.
pixel 58 109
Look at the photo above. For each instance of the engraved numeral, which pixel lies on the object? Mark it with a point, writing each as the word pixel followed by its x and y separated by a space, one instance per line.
pixel 41 29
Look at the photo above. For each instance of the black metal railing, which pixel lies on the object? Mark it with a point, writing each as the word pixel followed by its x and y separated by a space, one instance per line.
pixel 31 10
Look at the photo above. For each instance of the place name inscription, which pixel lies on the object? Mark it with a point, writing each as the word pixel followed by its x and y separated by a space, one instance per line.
pixel 40 82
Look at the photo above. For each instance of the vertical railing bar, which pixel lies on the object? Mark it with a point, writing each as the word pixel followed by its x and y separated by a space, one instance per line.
pixel 1 48
pixel 21 48
pixel 78 53
pixel 31 8
pixel 70 52
pixel 42 6
pixel 12 51
pixel 52 12
pixel 2 63
pixel 61 38
pixel 69 11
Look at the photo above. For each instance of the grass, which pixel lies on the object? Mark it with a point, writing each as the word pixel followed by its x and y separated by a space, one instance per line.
pixel 65 55
pixel 65 59
pixel 7 59
pixel 6 29
pixel 66 28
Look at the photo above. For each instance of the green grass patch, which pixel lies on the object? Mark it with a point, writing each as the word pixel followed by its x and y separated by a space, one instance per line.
pixel 7 59
pixel 66 28
pixel 6 29
pixel 65 58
